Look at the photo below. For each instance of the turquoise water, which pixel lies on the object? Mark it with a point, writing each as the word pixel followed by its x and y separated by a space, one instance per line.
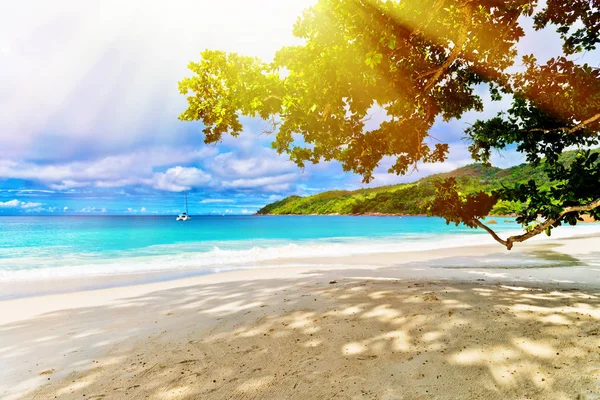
pixel 54 247
pixel 34 248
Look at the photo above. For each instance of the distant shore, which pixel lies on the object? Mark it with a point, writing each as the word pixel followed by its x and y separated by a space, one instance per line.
pixel 445 324
pixel 585 218
pixel 371 214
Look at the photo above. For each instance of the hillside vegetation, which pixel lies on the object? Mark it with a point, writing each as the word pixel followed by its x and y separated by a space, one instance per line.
pixel 412 198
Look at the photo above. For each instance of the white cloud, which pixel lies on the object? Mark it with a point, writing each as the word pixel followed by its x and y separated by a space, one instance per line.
pixel 19 204
pixel 265 171
pixel 92 210
pixel 107 172
pixel 268 183
pixel 30 205
pixel 216 201
pixel 10 204
pixel 179 179
pixel 252 166
pixel 262 162
pixel 28 192
pixel 68 184
pixel 135 211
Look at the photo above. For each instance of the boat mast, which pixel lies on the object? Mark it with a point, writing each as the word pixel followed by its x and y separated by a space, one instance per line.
pixel 186 207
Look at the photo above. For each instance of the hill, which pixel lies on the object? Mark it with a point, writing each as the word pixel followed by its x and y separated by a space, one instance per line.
pixel 411 198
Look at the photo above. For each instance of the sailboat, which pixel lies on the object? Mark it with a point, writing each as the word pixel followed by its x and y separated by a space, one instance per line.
pixel 184 216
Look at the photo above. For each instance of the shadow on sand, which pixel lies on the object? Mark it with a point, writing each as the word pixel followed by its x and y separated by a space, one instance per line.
pixel 367 335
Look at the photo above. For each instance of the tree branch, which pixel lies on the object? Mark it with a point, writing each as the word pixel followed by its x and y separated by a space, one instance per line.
pixel 451 58
pixel 490 231
pixel 458 46
pixel 585 123
pixel 564 128
pixel 426 74
pixel 432 14
pixel 543 130
pixel 272 96
pixel 539 228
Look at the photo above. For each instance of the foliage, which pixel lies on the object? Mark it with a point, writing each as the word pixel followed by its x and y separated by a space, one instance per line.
pixel 421 61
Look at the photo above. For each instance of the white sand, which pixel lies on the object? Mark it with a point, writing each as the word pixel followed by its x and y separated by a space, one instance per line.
pixel 392 326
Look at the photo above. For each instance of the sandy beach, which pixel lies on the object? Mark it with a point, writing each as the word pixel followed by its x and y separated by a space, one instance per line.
pixel 471 322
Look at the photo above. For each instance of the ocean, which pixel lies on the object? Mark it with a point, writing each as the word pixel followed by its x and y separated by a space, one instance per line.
pixel 33 248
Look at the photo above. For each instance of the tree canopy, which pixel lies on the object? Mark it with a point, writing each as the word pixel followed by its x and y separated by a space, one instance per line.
pixel 422 61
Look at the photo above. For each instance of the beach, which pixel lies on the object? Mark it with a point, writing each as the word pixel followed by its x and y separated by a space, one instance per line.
pixel 306 200
pixel 465 322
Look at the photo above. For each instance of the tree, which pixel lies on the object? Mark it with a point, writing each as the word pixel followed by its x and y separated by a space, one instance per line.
pixel 420 61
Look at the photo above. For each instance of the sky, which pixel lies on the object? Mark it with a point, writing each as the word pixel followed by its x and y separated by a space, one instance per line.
pixel 89 106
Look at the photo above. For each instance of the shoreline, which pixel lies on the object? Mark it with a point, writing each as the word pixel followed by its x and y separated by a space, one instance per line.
pixel 379 320
pixel 55 285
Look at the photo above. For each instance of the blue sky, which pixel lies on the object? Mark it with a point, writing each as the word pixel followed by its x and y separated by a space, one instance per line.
pixel 89 106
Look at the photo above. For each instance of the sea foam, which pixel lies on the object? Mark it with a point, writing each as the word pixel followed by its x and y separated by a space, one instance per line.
pixel 239 254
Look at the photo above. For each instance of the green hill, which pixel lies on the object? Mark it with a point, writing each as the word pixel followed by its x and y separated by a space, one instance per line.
pixel 411 198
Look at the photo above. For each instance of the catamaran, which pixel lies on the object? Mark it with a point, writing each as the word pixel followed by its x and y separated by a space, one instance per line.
pixel 184 216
